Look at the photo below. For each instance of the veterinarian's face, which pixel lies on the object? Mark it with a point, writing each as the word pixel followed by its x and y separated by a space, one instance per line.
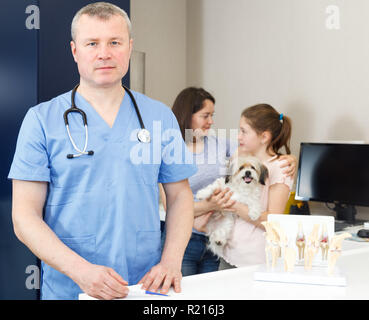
pixel 249 140
pixel 102 49
pixel 202 120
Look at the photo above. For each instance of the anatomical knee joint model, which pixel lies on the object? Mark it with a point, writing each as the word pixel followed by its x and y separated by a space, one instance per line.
pixel 278 243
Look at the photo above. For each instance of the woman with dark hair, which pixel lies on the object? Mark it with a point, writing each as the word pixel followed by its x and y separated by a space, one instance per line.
pixel 194 110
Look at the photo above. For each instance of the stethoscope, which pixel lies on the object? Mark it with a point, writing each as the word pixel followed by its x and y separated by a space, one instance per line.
pixel 143 134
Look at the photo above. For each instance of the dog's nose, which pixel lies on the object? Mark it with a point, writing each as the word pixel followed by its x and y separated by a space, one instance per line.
pixel 248 173
pixel 218 243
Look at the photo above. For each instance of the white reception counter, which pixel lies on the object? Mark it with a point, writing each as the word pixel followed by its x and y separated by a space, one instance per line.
pixel 239 284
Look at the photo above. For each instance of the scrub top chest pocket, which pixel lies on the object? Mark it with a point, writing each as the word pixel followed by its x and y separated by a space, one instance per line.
pixel 138 163
pixel 70 172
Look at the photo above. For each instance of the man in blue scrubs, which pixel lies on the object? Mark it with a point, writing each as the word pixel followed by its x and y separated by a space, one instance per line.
pixel 94 220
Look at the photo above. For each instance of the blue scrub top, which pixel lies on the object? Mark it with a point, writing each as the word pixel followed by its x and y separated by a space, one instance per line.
pixel 105 206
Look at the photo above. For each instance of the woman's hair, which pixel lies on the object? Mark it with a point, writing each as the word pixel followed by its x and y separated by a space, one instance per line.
pixel 188 102
pixel 263 117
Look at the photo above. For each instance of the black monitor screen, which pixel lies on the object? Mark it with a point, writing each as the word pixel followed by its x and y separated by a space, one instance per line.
pixel 334 173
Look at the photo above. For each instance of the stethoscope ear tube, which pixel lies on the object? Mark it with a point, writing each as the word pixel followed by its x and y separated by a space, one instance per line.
pixel 81 112
pixel 74 108
pixel 143 135
pixel 80 152
pixel 135 106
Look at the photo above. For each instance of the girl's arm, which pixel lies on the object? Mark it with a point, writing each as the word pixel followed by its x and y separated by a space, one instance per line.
pixel 278 197
pixel 277 200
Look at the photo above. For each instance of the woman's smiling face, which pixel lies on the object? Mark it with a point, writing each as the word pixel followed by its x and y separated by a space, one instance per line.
pixel 202 120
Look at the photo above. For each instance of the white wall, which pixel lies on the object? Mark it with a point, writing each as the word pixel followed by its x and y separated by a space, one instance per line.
pixel 250 51
pixel 275 51
pixel 159 30
pixel 281 52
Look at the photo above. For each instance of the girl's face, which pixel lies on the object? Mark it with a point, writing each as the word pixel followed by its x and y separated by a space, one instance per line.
pixel 203 119
pixel 249 140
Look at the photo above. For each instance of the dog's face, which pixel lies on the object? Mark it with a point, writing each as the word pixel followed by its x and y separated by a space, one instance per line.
pixel 248 170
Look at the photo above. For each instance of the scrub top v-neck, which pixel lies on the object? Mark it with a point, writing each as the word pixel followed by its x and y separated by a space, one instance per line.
pixel 105 207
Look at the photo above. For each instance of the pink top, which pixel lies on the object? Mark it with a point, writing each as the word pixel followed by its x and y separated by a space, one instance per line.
pixel 247 244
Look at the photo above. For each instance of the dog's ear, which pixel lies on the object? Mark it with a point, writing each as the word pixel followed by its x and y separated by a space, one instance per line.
pixel 230 165
pixel 264 174
pixel 228 178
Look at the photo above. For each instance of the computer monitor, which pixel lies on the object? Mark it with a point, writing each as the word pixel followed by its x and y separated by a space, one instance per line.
pixel 334 173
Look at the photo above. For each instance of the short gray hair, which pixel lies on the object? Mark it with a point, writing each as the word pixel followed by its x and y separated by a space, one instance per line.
pixel 102 10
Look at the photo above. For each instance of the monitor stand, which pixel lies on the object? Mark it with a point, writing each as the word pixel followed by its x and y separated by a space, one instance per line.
pixel 345 216
pixel 345 212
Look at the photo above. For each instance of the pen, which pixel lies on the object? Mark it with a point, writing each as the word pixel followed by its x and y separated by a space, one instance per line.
pixel 156 293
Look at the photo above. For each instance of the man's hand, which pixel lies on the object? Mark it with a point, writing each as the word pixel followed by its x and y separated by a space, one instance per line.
pixel 101 282
pixel 164 276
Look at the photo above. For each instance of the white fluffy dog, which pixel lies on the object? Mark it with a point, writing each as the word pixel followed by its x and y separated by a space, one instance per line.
pixel 247 176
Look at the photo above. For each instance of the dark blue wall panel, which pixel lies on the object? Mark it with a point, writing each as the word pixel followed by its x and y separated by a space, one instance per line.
pixel 18 92
pixel 35 65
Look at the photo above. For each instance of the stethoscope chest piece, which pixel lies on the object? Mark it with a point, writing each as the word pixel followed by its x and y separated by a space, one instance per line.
pixel 143 136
